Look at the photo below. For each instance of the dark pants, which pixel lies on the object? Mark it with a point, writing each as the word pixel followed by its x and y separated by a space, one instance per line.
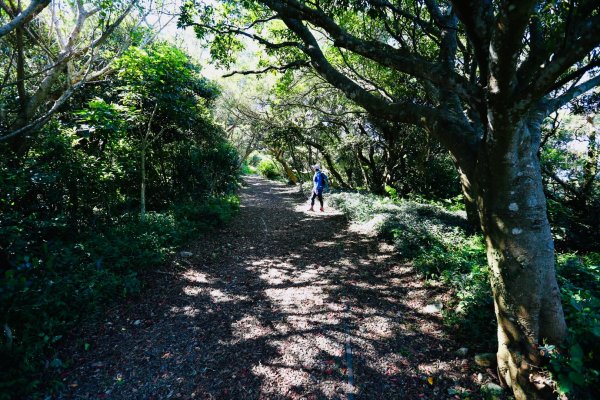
pixel 318 194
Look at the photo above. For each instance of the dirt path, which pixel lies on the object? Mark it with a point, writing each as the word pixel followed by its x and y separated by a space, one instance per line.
pixel 261 311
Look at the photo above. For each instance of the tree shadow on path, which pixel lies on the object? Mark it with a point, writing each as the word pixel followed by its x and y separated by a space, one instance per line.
pixel 262 310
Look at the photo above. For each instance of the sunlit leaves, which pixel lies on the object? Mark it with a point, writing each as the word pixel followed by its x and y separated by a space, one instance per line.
pixel 165 77
pixel 102 119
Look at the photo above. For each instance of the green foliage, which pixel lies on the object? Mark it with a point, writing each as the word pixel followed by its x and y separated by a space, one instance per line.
pixel 71 241
pixel 163 76
pixel 213 213
pixel 268 169
pixel 393 193
pixel 200 168
pixel 248 169
pixel 577 371
pixel 361 206
pixel 570 164
pixel 451 252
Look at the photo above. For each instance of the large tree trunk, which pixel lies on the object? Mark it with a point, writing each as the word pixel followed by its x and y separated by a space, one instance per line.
pixel 520 253
pixel 18 143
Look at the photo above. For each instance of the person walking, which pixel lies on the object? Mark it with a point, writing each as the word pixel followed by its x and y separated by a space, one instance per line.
pixel 319 182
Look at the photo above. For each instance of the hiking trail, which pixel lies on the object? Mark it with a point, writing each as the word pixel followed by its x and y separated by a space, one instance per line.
pixel 269 307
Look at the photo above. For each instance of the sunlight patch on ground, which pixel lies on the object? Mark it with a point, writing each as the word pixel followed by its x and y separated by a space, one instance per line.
pixel 193 275
pixel 347 263
pixel 386 247
pixel 378 327
pixel 219 296
pixel 274 276
pixel 216 295
pixel 329 211
pixel 395 282
pixel 390 364
pixel 372 311
pixel 434 367
pixel 370 286
pixel 324 244
pixel 278 272
pixel 301 354
pixel 311 273
pixel 280 380
pixel 308 351
pixel 193 290
pixel 273 272
pixel 304 295
pixel 391 299
pixel 370 227
pixel 249 328
pixel 187 311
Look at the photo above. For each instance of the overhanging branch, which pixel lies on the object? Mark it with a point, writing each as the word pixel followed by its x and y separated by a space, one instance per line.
pixel 460 139
pixel 575 74
pixel 398 59
pixel 577 46
pixel 243 32
pixel 282 68
pixel 572 93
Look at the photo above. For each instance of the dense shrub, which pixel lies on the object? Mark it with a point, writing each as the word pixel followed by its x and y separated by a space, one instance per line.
pixel 577 371
pixel 212 169
pixel 268 169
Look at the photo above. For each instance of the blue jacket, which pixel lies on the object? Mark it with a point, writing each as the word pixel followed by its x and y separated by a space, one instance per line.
pixel 319 181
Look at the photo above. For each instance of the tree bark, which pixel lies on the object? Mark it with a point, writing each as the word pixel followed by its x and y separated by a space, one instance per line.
pixel 359 158
pixel 328 161
pixel 22 17
pixel 470 200
pixel 143 184
pixel 288 171
pixel 520 252
pixel 17 144
pixel 298 166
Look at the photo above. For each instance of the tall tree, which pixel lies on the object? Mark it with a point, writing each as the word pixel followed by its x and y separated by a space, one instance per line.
pixel 164 95
pixel 490 73
pixel 53 56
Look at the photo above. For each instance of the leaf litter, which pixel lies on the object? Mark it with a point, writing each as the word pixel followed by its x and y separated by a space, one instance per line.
pixel 260 310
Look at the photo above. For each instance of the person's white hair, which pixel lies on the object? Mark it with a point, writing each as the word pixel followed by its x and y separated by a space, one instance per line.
pixel 316 166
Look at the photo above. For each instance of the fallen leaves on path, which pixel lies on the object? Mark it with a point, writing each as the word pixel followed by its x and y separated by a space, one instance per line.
pixel 261 310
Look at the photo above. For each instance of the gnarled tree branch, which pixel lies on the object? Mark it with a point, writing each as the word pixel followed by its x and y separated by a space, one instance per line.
pixel 35 7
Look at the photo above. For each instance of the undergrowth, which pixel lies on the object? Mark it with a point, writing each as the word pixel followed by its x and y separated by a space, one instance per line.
pixel 438 241
pixel 52 284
